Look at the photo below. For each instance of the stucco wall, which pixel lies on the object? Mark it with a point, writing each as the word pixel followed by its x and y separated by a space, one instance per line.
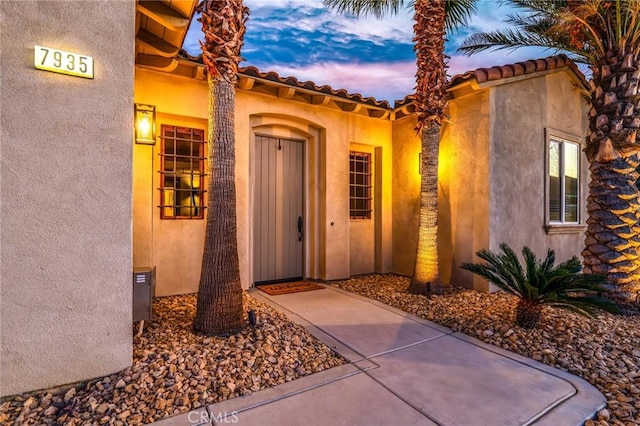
pixel 65 211
pixel 491 174
pixel 406 194
pixel 173 246
pixel 463 199
pixel 518 155
pixel 328 134
pixel 463 196
pixel 362 231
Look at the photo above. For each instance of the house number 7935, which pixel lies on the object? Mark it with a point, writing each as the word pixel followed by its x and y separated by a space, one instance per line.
pixel 54 60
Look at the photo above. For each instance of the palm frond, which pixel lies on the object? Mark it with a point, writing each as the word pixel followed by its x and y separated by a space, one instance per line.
pixel 510 38
pixel 599 302
pixel 542 6
pixel 580 309
pixel 588 30
pixel 376 8
pixel 458 13
pixel 547 265
pixel 586 305
pixel 493 276
pixel 512 264
pixel 571 265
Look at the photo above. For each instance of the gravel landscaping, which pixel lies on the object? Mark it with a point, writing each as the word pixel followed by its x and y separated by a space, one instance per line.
pixel 175 370
pixel 605 350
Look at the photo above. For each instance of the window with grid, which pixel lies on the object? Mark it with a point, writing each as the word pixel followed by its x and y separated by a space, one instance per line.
pixel 360 185
pixel 563 184
pixel 182 157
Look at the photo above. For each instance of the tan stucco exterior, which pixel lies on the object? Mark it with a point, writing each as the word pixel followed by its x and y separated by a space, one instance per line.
pixel 491 173
pixel 65 215
pixel 80 200
pixel 517 217
pixel 333 243
pixel 491 178
pixel 464 191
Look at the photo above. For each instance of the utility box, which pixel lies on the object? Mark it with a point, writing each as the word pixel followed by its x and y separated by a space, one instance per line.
pixel 144 287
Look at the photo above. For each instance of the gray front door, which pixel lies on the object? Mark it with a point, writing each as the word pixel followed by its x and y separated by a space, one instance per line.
pixel 278 225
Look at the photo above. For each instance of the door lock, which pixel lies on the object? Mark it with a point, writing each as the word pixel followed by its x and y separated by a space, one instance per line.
pixel 299 228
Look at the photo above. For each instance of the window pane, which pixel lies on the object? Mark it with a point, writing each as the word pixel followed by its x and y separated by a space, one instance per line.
pixel 182 169
pixel 360 190
pixel 554 181
pixel 570 182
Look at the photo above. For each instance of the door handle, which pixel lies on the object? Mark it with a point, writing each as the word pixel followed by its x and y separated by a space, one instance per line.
pixel 299 228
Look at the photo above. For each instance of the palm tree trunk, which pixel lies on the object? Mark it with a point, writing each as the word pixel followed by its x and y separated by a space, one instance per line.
pixel 426 275
pixel 612 237
pixel 430 102
pixel 613 233
pixel 528 314
pixel 219 309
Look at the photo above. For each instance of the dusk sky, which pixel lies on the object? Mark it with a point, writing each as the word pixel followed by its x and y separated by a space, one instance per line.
pixel 302 38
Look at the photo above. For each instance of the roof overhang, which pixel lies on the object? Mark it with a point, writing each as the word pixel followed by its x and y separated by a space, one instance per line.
pixel 161 27
pixel 250 79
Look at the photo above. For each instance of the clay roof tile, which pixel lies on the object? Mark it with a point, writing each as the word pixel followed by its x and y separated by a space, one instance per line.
pixel 506 71
pixel 529 67
pixel 480 75
pixel 518 69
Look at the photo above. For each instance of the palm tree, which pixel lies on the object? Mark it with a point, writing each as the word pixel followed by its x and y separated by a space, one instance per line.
pixel 431 20
pixel 540 283
pixel 605 35
pixel 219 308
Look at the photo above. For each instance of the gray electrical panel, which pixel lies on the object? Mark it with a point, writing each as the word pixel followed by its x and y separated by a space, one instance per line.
pixel 144 286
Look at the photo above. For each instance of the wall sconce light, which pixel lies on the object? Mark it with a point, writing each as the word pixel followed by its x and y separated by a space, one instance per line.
pixel 145 124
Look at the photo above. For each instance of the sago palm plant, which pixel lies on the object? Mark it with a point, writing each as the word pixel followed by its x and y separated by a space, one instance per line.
pixel 540 282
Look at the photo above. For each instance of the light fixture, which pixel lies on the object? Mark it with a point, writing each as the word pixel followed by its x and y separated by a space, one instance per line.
pixel 420 163
pixel 145 124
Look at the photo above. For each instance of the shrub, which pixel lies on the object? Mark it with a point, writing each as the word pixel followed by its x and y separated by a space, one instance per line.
pixel 538 283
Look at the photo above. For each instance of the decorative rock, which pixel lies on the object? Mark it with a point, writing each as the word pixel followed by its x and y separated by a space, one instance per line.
pixel 160 404
pixel 174 370
pixel 124 415
pixel 604 415
pixel 70 394
pixel 102 408
pixel 50 411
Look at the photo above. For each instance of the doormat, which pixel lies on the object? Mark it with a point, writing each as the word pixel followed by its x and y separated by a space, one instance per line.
pixel 286 288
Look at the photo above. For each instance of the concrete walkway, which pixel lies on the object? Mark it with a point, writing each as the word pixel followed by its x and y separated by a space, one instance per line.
pixel 403 371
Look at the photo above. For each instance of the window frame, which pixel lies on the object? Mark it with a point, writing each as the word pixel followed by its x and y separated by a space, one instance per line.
pixel 197 168
pixel 366 212
pixel 562 226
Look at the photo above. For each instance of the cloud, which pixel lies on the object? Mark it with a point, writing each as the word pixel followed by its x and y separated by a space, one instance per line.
pixel 374 57
pixel 283 4
pixel 282 16
pixel 383 81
